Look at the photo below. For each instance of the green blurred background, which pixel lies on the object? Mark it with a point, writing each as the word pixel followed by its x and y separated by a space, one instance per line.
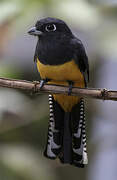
pixel 24 117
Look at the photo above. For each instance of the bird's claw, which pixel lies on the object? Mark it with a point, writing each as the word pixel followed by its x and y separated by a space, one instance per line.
pixel 43 81
pixel 70 87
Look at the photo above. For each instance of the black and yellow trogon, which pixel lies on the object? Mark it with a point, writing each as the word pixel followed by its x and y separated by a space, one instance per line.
pixel 61 59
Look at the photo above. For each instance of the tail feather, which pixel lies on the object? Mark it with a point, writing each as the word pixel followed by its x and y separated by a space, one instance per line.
pixel 66 153
pixel 66 134
pixel 53 146
pixel 79 138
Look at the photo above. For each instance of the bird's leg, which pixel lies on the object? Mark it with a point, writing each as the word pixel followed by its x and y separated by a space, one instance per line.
pixel 70 87
pixel 43 81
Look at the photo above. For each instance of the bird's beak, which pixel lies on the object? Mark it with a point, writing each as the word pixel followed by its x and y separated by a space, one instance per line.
pixel 34 31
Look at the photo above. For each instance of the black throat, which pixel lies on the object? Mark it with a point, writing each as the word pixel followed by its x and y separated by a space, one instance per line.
pixel 54 50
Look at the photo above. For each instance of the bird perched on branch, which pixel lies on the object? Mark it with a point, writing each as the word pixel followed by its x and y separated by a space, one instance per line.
pixel 61 59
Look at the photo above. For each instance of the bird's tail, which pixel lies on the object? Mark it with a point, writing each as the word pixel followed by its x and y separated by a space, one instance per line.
pixel 79 135
pixel 66 134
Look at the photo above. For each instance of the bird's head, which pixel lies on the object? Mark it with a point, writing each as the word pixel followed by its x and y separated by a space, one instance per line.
pixel 50 27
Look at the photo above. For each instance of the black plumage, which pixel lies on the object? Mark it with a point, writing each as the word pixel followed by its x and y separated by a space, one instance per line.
pixel 57 48
pixel 63 43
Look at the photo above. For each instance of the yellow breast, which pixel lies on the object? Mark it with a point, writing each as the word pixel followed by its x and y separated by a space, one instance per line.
pixel 66 71
pixel 60 74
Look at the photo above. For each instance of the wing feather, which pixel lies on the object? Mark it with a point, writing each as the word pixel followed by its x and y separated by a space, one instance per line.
pixel 81 58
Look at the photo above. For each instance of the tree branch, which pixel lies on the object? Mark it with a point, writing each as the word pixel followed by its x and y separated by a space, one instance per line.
pixel 34 87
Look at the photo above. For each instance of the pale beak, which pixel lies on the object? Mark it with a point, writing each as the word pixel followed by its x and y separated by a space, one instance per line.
pixel 35 32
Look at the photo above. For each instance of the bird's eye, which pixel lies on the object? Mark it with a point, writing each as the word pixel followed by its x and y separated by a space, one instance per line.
pixel 50 27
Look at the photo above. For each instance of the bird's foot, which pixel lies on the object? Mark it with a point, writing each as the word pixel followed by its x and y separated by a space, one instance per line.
pixel 43 81
pixel 70 87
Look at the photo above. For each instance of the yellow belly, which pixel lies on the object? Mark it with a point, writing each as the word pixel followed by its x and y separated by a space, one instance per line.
pixel 60 74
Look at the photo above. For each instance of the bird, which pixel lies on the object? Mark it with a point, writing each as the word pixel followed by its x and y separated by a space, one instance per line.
pixel 61 59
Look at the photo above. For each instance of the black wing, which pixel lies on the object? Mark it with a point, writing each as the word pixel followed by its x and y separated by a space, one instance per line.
pixel 81 58
pixel 36 54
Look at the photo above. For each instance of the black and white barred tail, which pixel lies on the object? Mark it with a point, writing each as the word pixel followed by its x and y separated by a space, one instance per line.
pixel 53 146
pixel 79 138
pixel 76 136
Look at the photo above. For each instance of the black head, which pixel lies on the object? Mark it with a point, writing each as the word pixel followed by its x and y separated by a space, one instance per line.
pixel 50 26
